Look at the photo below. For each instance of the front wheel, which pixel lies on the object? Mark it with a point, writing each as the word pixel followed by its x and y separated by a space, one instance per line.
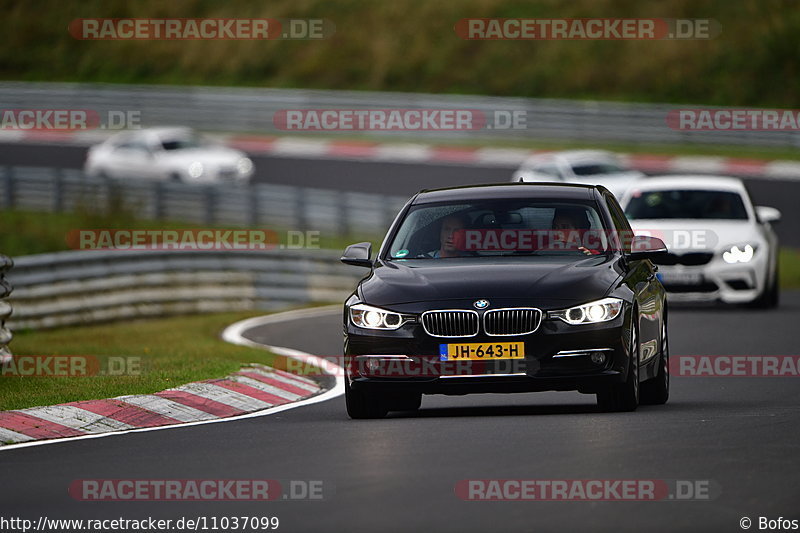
pixel 770 296
pixel 362 404
pixel 624 396
pixel 656 391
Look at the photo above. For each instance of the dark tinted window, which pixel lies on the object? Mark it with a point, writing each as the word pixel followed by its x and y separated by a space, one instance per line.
pixel 686 204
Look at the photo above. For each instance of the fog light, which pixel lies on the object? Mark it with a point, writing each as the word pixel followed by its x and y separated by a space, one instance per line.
pixel 373 364
pixel 598 358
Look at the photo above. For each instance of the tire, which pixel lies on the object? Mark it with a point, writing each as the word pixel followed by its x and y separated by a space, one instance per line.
pixel 655 391
pixel 407 401
pixel 363 404
pixel 770 296
pixel 624 396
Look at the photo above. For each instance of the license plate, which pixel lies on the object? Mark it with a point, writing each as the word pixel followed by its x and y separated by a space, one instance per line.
pixel 681 278
pixel 482 351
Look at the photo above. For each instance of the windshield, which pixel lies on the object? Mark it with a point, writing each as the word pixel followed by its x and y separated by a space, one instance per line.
pixel 182 143
pixel 499 228
pixel 686 204
pixel 596 168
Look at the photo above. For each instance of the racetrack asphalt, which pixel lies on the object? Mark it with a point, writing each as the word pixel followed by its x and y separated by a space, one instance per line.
pixel 403 179
pixel 399 474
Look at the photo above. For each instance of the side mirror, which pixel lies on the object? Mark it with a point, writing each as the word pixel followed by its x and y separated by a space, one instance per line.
pixel 645 247
pixel 768 214
pixel 358 254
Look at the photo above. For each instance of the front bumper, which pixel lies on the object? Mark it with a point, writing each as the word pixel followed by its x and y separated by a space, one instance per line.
pixel 557 357
pixel 719 281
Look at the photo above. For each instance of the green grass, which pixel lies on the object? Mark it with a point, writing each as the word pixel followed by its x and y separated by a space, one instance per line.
pixel 24 232
pixel 173 351
pixel 789 268
pixel 410 45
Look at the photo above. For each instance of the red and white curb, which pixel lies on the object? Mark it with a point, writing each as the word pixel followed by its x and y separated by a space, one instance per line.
pixel 395 152
pixel 255 390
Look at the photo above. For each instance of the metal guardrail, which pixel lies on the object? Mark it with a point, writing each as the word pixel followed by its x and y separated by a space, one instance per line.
pixel 279 207
pixel 84 287
pixel 252 110
pixel 5 307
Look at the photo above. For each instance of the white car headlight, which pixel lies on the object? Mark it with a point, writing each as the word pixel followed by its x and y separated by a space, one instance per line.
pixel 738 254
pixel 244 165
pixel 590 313
pixel 366 316
pixel 196 169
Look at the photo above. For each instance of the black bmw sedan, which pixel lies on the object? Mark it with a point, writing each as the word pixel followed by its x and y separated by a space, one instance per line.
pixel 507 288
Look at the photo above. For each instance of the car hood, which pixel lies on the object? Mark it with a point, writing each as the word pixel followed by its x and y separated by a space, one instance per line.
pixel 536 281
pixel 682 235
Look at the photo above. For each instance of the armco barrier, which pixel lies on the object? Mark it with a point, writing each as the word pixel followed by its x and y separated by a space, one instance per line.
pixel 84 287
pixel 252 110
pixel 5 307
pixel 257 205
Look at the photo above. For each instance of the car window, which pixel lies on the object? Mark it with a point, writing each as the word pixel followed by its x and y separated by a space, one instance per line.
pixel 686 204
pixel 181 143
pixel 499 227
pixel 589 169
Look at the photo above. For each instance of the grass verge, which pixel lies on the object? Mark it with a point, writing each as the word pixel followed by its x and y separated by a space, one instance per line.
pixel 173 351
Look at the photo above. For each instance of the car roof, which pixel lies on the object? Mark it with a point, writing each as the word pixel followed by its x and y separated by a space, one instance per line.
pixel 691 182
pixel 494 191
pixel 161 132
pixel 572 156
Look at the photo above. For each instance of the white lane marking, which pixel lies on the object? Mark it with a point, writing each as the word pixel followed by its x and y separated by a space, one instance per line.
pixel 284 379
pixel 402 152
pixel 304 147
pixel 265 387
pixel 76 418
pixel 6 435
pixel 697 164
pixel 225 396
pixel 165 407
pixel 234 335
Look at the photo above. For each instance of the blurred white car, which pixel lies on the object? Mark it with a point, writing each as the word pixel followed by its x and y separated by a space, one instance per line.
pixel 592 167
pixel 721 247
pixel 177 154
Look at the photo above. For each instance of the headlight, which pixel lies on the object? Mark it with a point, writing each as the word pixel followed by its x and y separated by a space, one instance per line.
pixel 591 313
pixel 196 169
pixel 366 316
pixel 736 255
pixel 244 165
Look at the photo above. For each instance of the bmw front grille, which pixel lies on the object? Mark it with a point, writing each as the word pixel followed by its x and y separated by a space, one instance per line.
pixel 512 321
pixel 496 322
pixel 450 323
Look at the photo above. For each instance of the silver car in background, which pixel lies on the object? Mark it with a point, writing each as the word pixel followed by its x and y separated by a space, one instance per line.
pixel 177 154
pixel 721 246
pixel 589 167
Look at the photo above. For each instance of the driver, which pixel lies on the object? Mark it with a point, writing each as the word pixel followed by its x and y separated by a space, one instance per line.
pixel 447 246
pixel 568 219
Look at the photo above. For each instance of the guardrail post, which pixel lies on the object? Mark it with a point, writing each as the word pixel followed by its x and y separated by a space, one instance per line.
pixel 8 189
pixel 5 308
pixel 253 218
pixel 158 201
pixel 58 190
pixel 210 204
pixel 344 213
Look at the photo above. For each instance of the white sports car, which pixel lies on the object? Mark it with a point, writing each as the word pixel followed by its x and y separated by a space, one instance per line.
pixel 591 167
pixel 177 154
pixel 722 248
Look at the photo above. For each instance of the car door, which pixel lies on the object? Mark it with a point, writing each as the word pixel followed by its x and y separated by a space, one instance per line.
pixel 643 282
